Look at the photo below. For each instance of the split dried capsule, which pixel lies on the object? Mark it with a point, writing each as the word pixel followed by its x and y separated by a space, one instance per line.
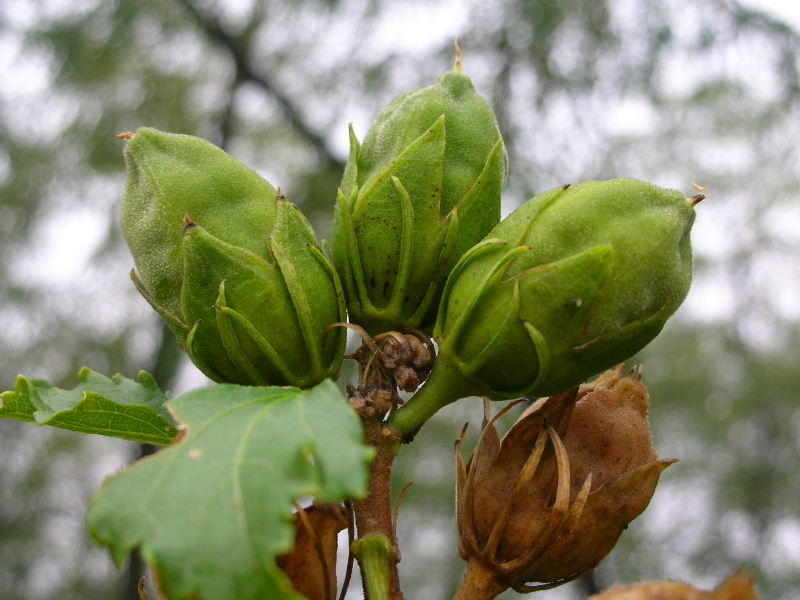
pixel 421 189
pixel 551 498
pixel 232 266
pixel 574 281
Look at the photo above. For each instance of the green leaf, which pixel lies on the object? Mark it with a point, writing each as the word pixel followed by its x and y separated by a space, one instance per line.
pixel 116 407
pixel 211 513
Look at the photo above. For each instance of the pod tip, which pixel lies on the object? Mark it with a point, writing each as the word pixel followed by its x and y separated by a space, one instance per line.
pixel 699 197
pixel 457 65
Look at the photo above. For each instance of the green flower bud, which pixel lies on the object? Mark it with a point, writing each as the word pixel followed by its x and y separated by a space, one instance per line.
pixel 419 192
pixel 233 267
pixel 575 281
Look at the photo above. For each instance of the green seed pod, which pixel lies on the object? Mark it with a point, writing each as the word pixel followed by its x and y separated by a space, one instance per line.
pixel 419 192
pixel 575 281
pixel 233 267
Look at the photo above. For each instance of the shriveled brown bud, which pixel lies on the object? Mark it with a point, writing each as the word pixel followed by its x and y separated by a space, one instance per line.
pixel 547 502
pixel 404 357
pixel 735 587
pixel 408 355
pixel 311 565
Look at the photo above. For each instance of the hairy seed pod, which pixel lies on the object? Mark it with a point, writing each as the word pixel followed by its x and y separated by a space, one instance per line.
pixel 231 265
pixel 421 189
pixel 574 281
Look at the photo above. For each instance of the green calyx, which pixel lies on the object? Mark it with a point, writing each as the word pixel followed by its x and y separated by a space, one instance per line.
pixel 233 267
pixel 421 189
pixel 575 281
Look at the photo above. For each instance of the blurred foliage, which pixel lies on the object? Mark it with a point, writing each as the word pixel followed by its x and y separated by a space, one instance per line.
pixel 671 92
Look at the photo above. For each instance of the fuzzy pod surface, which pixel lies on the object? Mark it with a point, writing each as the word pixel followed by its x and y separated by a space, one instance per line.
pixel 418 192
pixel 574 281
pixel 232 266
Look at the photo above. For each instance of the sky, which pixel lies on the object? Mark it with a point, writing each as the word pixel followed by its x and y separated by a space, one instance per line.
pixel 786 10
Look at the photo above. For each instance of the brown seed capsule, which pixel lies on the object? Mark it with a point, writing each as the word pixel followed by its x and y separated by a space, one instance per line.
pixel 550 500
pixel 735 587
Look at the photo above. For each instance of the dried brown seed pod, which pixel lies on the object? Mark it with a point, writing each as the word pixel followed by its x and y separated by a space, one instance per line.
pixel 736 587
pixel 311 565
pixel 550 499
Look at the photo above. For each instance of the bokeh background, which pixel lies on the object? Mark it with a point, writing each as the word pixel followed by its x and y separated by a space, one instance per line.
pixel 672 91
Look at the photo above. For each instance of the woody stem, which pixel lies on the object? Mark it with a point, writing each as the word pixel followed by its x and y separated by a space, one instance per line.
pixel 374 512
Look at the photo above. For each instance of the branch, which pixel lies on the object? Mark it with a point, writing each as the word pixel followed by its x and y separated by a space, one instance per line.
pixel 245 71
pixel 374 511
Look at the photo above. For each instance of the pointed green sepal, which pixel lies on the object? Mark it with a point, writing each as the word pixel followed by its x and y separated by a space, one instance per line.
pixel 478 210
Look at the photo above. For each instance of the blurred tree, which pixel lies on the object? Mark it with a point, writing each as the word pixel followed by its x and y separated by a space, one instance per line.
pixel 671 92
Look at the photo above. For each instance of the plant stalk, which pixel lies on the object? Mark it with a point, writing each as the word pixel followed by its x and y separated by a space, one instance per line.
pixel 445 384
pixel 480 583
pixel 374 553
pixel 374 512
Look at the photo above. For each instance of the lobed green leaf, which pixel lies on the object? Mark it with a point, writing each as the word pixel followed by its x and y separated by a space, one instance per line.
pixel 211 513
pixel 116 407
